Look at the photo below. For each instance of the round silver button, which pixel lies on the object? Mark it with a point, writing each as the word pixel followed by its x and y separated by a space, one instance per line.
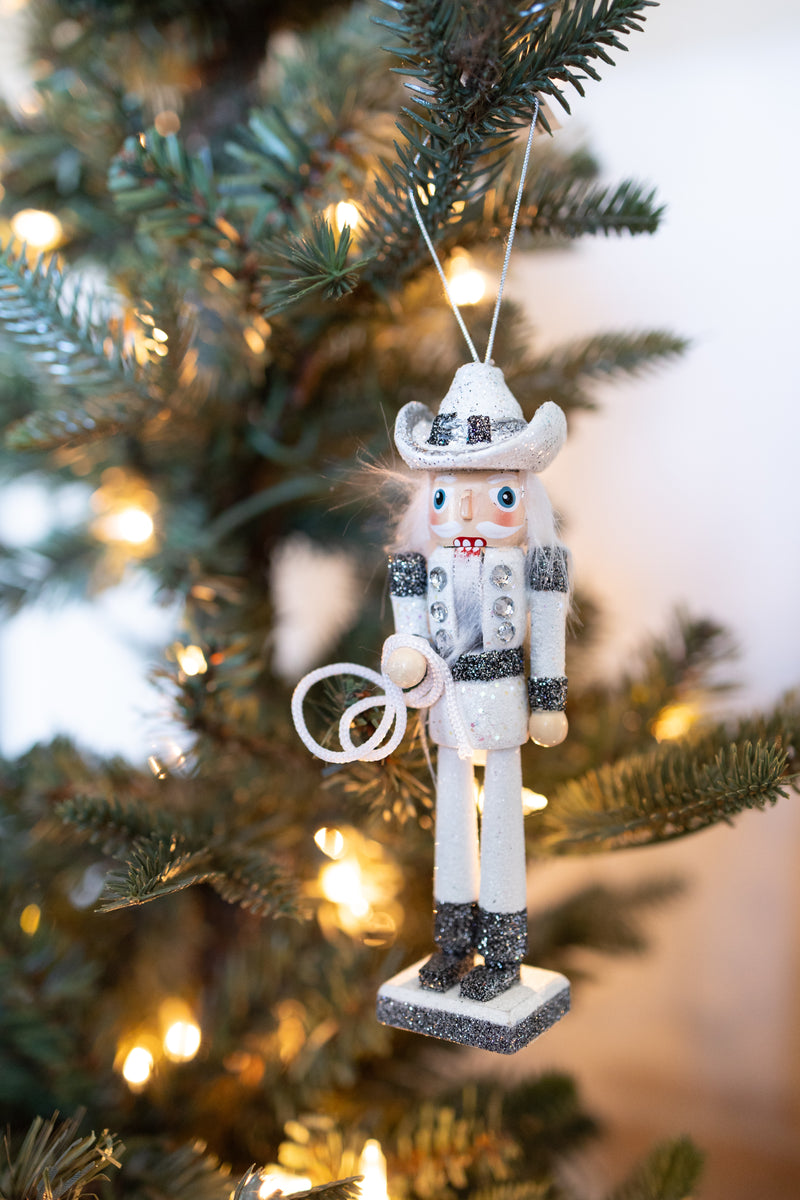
pixel 505 631
pixel 503 606
pixel 442 640
pixel 438 611
pixel 501 576
pixel 438 578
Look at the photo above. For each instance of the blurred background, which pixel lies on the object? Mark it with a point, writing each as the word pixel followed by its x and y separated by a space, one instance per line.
pixel 696 470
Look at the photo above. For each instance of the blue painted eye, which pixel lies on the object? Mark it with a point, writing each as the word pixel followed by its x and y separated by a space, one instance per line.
pixel 506 497
pixel 439 497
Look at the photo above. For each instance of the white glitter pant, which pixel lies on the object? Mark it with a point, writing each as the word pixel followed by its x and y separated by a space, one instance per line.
pixel 499 884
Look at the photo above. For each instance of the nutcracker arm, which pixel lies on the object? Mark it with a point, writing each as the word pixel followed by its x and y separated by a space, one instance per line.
pixel 548 601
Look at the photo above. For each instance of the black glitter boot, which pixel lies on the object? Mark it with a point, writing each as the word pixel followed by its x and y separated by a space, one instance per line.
pixel 503 941
pixel 454 934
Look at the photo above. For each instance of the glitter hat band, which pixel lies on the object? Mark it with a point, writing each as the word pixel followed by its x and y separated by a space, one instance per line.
pixel 479 425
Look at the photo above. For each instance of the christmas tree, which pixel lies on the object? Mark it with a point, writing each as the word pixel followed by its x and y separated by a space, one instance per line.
pixel 214 297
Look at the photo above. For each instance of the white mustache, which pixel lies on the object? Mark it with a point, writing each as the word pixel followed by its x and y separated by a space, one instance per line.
pixel 445 528
pixel 489 529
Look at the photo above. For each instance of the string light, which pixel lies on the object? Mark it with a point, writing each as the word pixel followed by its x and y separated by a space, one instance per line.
pixel 191 659
pixel 467 283
pixel 29 919
pixel 167 123
pixel 674 721
pixel 182 1041
pixel 346 213
pixel 137 1067
pixel 341 882
pixel 40 230
pixel 125 507
pixel 532 801
pixel 330 842
pixel 372 1165
pixel 274 1182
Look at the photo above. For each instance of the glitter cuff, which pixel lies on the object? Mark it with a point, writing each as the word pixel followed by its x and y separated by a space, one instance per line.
pixel 548 569
pixel 502 937
pixel 407 575
pixel 490 664
pixel 453 926
pixel 546 694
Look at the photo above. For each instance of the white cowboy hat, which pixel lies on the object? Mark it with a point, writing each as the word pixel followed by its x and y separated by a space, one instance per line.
pixel 479 425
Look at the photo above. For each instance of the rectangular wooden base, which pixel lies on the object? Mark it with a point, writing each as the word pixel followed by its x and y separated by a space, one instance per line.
pixel 503 1025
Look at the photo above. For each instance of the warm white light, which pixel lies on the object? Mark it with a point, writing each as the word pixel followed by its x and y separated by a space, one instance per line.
pixel 341 883
pixel 469 287
pixel 191 660
pixel 39 229
pixel 131 524
pixel 346 213
pixel 532 801
pixel 372 1165
pixel 674 721
pixel 138 1066
pixel 182 1041
pixel 275 1180
pixel 29 919
pixel 330 842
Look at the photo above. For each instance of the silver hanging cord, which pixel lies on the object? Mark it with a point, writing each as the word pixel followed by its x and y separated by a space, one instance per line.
pixel 432 249
pixel 442 276
pixel 511 233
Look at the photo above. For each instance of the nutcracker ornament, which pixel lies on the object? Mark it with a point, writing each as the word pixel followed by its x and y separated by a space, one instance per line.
pixel 479 583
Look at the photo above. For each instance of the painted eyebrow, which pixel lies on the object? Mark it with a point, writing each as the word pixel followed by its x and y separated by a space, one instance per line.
pixel 445 479
pixel 498 478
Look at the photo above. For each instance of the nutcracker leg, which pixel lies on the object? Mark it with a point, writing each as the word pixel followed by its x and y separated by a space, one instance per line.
pixel 455 881
pixel 502 919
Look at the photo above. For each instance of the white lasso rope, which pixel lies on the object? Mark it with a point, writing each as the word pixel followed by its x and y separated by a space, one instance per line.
pixel 437 679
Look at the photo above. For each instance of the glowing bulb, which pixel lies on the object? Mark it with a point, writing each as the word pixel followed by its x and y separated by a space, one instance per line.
pixel 468 287
pixel 341 883
pixel 532 801
pixel 330 842
pixel 131 524
pixel 138 1067
pixel 182 1041
pixel 346 213
pixel 29 919
pixel 191 660
pixel 372 1165
pixel 673 721
pixel 167 122
pixel 274 1180
pixel 39 229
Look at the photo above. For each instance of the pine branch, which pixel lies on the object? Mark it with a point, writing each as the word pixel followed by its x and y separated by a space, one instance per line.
pixel 53 1162
pixel 250 1186
pixel 186 1173
pixel 673 791
pixel 564 373
pixel 114 826
pixel 571 209
pixel 314 262
pixel 70 347
pixel 173 194
pixel 670 1172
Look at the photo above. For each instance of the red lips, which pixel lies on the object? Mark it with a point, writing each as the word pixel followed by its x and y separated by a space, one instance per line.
pixel 469 545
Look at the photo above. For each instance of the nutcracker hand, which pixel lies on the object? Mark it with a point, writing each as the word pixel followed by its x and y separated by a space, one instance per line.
pixel 406 667
pixel 547 728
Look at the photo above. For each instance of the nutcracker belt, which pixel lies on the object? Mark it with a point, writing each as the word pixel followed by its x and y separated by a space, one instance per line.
pixel 488 665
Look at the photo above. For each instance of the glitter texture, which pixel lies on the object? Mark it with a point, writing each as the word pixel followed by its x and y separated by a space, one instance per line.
pixel 489 665
pixel 443 971
pixel 502 937
pixel 438 578
pixel 503 606
pixel 407 575
pixel 484 983
pixel 548 694
pixel 438 611
pixel 503 1025
pixel 548 570
pixel 454 926
pixel 479 429
pixel 501 576
pixel 442 429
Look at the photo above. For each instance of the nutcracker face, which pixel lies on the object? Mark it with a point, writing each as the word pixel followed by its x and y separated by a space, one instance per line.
pixel 472 509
